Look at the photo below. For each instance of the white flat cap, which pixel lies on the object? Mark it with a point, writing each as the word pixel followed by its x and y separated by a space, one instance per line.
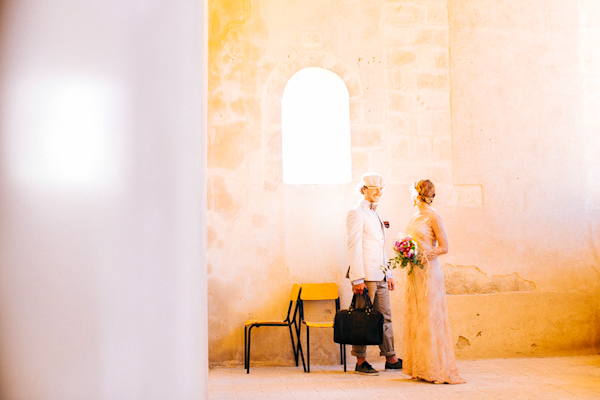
pixel 372 180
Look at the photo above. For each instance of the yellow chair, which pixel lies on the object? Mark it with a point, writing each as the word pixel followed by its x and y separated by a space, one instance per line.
pixel 319 292
pixel 287 322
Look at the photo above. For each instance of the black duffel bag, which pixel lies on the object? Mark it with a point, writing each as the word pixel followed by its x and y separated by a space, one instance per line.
pixel 358 326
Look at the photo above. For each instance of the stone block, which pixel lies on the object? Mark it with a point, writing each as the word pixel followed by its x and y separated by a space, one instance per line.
pixel 273 111
pixel 397 57
pixel 436 102
pixel 439 172
pixel 421 148
pixel 433 81
pixel 404 14
pixel 432 59
pixel 272 140
pixel 413 170
pixel 403 170
pixel 273 171
pixel 402 101
pixel 374 112
pixel 340 68
pixel 401 147
pixel 367 137
pixel 360 162
pixel 434 124
pixel 284 71
pixel 399 124
pixel 312 39
pixel 441 59
pixel 313 59
pixel 395 78
pixel 357 113
pixel 397 37
pixel 354 88
pixel 412 148
pixel 442 149
pixel 437 14
pixel 468 279
pixel 432 36
pixel 465 196
pixel 402 79
pixel 379 161
pixel 276 82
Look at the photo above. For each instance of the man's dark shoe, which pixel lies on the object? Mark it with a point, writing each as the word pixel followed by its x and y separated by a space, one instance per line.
pixel 365 368
pixel 396 365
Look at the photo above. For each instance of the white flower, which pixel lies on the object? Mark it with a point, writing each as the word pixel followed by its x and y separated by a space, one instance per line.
pixel 413 192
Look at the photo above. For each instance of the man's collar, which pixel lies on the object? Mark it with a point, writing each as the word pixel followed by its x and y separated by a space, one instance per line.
pixel 366 204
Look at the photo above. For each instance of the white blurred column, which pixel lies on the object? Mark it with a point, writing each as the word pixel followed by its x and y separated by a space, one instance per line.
pixel 590 65
pixel 102 200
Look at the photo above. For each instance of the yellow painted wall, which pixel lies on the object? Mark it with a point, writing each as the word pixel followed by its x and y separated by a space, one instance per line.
pixel 487 99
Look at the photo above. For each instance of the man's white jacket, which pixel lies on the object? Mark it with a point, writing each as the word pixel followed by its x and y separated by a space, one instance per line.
pixel 366 244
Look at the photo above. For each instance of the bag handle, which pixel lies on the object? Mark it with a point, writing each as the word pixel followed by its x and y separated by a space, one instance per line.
pixel 368 303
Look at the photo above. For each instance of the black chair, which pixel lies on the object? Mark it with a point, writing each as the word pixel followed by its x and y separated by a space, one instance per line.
pixel 287 322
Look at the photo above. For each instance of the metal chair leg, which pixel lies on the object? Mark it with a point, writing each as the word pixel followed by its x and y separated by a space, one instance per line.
pixel 249 339
pixel 299 347
pixel 302 357
pixel 293 345
pixel 246 347
pixel 307 349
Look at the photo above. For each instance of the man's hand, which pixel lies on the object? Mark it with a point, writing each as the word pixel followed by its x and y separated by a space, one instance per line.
pixel 391 283
pixel 359 289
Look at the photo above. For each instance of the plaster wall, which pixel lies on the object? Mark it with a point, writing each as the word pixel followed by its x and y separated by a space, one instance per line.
pixel 484 99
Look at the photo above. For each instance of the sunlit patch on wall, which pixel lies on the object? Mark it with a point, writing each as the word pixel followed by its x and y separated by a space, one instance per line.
pixel 315 126
pixel 65 133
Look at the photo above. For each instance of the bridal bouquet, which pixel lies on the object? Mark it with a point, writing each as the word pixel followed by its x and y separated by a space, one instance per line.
pixel 406 249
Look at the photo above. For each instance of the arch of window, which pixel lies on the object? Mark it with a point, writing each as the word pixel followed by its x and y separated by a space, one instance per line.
pixel 315 128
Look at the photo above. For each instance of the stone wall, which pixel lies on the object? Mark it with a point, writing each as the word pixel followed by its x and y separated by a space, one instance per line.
pixel 469 94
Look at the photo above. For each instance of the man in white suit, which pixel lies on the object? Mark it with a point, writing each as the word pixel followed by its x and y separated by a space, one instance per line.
pixel 366 252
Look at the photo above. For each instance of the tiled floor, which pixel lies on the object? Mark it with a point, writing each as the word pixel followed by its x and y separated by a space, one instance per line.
pixel 518 378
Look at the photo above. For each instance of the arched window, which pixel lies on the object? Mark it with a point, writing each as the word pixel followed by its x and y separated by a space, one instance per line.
pixel 315 128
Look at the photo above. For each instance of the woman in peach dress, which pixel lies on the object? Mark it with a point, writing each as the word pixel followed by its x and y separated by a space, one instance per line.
pixel 427 349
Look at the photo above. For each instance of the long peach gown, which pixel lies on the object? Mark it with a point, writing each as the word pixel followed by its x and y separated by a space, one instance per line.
pixel 427 350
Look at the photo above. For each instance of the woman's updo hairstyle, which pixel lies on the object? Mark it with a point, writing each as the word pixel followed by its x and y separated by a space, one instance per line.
pixel 425 190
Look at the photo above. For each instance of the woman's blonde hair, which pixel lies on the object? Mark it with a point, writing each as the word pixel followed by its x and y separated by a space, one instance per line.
pixel 425 190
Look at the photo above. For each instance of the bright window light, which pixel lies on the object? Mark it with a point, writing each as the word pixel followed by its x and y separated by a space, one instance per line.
pixel 315 127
